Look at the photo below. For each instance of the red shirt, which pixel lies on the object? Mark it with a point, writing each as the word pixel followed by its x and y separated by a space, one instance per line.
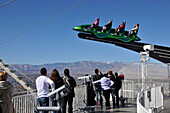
pixel 122 26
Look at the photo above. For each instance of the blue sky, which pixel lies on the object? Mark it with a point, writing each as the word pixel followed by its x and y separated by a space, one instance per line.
pixel 55 41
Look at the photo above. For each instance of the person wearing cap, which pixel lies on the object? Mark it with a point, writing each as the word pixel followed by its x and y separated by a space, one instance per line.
pixel 121 76
pixel 6 91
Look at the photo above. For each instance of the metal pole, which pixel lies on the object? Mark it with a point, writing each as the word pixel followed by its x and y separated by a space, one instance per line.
pixel 86 99
pixel 144 57
pixel 143 75
pixel 169 80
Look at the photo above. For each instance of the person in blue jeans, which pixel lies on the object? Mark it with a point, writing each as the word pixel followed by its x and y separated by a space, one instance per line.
pixel 54 103
pixel 98 90
pixel 42 86
pixel 43 101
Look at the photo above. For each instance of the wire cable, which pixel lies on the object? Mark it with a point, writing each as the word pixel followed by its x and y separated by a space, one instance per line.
pixel 7 3
pixel 19 71
pixel 42 23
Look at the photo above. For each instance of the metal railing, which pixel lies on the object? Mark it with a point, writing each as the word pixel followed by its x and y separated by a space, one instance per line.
pixel 131 86
pixel 157 74
pixel 150 100
pixel 26 101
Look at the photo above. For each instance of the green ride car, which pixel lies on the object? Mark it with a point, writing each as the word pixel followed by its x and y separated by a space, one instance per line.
pixel 124 37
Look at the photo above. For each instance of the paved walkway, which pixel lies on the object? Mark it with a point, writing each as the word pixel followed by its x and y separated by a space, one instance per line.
pixel 131 107
pixel 166 105
pixel 128 108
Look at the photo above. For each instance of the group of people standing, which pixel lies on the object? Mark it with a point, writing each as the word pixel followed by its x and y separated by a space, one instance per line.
pixel 106 84
pixel 109 84
pixel 118 30
pixel 55 81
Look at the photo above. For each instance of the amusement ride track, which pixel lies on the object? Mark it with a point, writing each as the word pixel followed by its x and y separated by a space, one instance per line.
pixel 160 53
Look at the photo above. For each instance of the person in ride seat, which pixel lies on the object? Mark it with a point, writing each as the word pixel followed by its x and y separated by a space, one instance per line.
pixel 107 26
pixel 134 31
pixel 95 24
pixel 120 29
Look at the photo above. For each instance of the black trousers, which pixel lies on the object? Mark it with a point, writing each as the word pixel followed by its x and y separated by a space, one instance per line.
pixel 106 94
pixel 117 97
pixel 68 99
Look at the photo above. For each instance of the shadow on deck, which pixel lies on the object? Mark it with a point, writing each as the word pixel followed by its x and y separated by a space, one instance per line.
pixel 128 108
pixel 166 105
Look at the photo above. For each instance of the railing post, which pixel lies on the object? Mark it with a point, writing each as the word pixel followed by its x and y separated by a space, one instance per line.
pixel 169 79
pixel 151 110
pixel 144 57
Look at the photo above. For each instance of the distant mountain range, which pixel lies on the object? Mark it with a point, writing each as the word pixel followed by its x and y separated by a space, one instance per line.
pixel 76 68
pixel 81 68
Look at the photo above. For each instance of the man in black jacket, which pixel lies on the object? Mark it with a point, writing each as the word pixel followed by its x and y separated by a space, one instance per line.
pixel 69 98
pixel 118 85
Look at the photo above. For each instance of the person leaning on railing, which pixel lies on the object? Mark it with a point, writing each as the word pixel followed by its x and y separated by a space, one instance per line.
pixel 106 83
pixel 42 86
pixel 6 91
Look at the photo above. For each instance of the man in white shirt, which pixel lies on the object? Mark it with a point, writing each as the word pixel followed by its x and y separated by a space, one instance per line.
pixel 42 85
pixel 134 31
